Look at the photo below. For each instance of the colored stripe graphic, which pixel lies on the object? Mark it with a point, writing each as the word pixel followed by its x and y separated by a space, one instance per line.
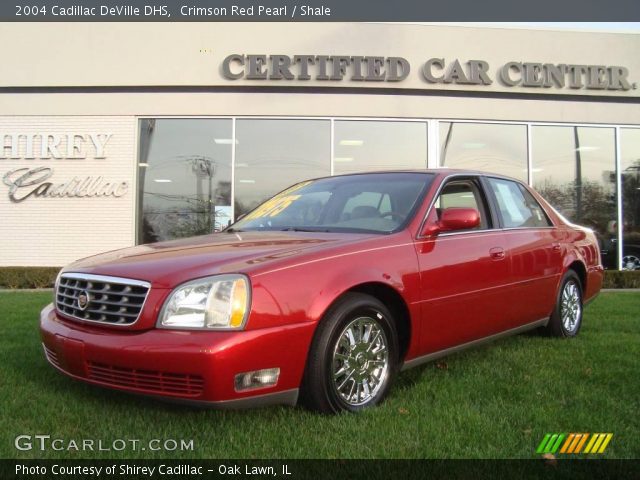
pixel 567 443
pixel 596 445
pixel 550 443
pixel 543 443
pixel 591 442
pixel 605 443
pixel 579 446
pixel 574 443
pixel 556 445
pixel 598 442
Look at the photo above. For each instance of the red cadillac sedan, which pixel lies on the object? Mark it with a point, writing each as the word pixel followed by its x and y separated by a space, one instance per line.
pixel 326 291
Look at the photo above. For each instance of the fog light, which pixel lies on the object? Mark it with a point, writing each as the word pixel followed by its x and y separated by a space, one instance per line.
pixel 257 379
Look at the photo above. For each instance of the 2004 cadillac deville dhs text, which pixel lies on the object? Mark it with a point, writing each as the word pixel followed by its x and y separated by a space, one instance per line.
pixel 324 292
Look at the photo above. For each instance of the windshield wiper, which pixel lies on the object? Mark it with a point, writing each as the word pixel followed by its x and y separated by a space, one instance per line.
pixel 297 229
pixel 233 230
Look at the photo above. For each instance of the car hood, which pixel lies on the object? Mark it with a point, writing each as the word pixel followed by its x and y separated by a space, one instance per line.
pixel 166 264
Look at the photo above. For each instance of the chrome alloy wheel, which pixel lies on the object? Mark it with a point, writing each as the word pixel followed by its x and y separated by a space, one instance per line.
pixel 570 306
pixel 360 361
pixel 630 262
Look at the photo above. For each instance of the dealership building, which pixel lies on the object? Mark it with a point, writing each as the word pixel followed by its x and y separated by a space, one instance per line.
pixel 116 134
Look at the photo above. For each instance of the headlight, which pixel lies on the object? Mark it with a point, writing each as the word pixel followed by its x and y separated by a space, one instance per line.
pixel 216 303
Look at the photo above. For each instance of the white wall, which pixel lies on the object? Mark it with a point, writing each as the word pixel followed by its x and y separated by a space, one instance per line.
pixel 54 231
pixel 191 53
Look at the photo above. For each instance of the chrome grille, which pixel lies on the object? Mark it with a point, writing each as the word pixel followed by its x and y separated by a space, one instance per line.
pixel 96 298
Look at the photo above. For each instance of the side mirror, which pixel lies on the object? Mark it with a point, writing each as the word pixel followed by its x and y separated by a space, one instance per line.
pixel 452 219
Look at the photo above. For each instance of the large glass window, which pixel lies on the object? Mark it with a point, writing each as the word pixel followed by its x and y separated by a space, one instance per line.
pixel 184 177
pixel 574 169
pixel 488 147
pixel 630 169
pixel 185 168
pixel 274 154
pixel 376 145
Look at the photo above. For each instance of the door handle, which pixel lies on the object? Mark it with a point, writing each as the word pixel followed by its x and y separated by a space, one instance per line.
pixel 496 253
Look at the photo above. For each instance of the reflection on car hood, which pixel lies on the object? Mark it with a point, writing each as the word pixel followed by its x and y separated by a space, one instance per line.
pixel 166 264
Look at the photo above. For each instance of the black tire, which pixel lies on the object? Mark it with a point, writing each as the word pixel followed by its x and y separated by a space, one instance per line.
pixel 571 287
pixel 333 351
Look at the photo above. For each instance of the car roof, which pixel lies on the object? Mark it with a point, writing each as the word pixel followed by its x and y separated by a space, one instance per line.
pixel 443 171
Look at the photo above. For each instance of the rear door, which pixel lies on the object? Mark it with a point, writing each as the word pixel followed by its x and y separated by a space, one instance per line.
pixel 535 247
pixel 463 273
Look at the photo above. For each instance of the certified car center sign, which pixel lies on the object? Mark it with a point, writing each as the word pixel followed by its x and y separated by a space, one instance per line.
pixel 49 148
pixel 434 70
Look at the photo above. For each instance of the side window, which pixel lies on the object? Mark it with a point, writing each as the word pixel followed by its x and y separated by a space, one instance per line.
pixel 517 207
pixel 463 194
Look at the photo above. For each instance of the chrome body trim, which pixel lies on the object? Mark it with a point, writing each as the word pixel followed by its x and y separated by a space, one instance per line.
pixel 488 230
pixel 466 232
pixel 414 362
pixel 107 279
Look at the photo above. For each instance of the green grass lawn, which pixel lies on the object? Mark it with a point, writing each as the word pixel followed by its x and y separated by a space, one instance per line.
pixel 496 401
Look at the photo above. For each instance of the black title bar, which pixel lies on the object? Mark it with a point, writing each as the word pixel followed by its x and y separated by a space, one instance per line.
pixel 549 469
pixel 320 11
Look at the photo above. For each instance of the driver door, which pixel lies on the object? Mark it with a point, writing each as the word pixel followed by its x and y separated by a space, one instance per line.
pixel 462 273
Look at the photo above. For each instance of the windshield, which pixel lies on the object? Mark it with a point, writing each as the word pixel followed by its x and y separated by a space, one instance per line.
pixel 367 203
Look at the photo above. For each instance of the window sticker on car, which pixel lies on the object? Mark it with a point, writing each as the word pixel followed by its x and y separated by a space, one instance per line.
pixel 510 202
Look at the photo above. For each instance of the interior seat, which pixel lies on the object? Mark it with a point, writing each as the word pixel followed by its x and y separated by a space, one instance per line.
pixel 365 211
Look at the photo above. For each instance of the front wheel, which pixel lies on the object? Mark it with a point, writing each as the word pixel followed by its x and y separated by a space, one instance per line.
pixel 353 358
pixel 566 318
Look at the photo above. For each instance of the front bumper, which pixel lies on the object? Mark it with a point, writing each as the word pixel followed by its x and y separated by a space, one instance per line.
pixel 196 367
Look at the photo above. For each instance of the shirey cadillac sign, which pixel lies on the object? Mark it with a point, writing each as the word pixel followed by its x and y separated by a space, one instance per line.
pixel 433 71
pixel 37 180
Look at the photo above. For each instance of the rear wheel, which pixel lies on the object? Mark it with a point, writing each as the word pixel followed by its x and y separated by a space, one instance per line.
pixel 566 318
pixel 353 358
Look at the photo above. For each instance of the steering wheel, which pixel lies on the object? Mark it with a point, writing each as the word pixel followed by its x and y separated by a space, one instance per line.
pixel 393 215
